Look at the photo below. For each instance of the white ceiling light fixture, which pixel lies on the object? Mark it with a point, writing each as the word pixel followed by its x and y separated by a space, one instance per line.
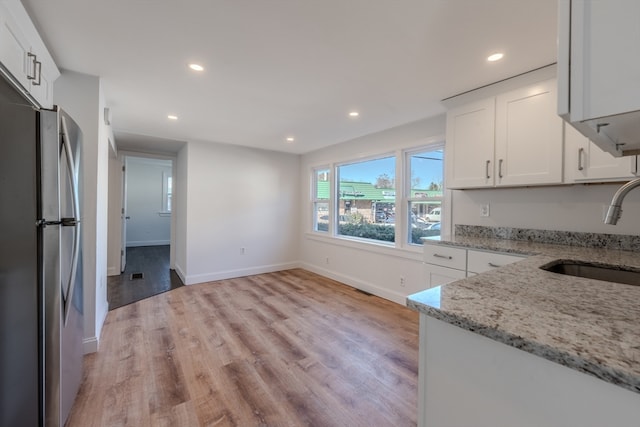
pixel 495 57
pixel 290 139
pixel 353 114
pixel 172 117
pixel 196 67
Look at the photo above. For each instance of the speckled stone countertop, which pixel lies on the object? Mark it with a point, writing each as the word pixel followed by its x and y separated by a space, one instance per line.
pixel 589 325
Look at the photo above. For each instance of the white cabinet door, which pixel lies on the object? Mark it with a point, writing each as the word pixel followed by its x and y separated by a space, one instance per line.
pixel 529 140
pixel 436 275
pixel 585 161
pixel 605 36
pixel 470 143
pixel 598 68
pixel 42 86
pixel 14 49
pixel 24 55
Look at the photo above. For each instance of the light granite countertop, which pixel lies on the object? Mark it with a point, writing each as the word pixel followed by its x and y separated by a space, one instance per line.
pixel 589 325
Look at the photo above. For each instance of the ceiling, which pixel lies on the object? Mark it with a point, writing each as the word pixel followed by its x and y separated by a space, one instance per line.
pixel 288 68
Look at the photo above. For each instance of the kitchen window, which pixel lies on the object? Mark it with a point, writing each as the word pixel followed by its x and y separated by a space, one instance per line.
pixel 365 200
pixel 424 189
pixel 320 199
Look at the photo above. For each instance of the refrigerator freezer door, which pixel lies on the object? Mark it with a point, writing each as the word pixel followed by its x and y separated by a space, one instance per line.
pixel 19 309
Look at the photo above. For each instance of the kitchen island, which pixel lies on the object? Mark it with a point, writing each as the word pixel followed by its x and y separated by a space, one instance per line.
pixel 519 345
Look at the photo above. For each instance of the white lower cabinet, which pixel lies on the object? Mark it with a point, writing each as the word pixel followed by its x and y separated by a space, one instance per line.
pixel 481 261
pixel 444 264
pixel 466 379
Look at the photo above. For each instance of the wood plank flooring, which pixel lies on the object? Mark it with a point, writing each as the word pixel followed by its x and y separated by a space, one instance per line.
pixel 282 349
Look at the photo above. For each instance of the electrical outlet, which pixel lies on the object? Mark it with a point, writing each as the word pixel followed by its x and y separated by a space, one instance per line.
pixel 402 281
pixel 484 209
pixel 326 260
pixel 242 251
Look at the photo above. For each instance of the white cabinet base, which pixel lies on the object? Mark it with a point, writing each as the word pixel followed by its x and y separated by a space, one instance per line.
pixel 469 380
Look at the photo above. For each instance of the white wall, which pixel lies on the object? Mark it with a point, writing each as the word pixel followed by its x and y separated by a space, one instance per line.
pixel 370 267
pixel 568 208
pixel 148 224
pixel 115 205
pixel 81 95
pixel 234 198
pixel 181 212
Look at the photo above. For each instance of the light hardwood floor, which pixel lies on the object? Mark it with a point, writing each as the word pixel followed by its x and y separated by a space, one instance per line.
pixel 282 349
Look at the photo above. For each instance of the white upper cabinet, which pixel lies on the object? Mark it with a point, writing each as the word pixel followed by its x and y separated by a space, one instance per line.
pixel 598 69
pixel 528 136
pixel 585 161
pixel 470 145
pixel 23 55
pixel 512 139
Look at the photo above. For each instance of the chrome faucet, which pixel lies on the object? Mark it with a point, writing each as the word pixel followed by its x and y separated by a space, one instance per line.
pixel 615 209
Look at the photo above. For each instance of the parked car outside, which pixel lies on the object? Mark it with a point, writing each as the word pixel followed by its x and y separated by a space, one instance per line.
pixel 434 215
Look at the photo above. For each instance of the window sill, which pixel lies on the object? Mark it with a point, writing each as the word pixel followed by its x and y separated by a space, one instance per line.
pixel 408 251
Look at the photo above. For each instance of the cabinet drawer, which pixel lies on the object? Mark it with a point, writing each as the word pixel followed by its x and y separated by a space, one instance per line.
pixel 479 262
pixel 446 256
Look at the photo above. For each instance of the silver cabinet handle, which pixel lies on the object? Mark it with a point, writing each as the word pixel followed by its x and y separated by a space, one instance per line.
pixel 580 153
pixel 38 66
pixel 486 169
pixel 442 256
pixel 500 168
pixel 33 62
pixel 493 265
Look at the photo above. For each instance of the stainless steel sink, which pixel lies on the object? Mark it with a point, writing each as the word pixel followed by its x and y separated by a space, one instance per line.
pixel 608 273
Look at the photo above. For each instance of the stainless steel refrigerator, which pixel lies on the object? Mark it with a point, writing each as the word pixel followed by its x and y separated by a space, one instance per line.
pixel 41 293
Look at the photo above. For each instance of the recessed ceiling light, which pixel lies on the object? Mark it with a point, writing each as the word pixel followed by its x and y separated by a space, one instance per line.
pixel 495 57
pixel 354 114
pixel 172 117
pixel 196 67
pixel 290 139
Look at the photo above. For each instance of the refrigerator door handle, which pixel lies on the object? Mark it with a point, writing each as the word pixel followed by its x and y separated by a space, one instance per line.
pixel 72 222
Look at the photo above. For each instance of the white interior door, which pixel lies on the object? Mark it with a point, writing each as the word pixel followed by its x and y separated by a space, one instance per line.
pixel 124 218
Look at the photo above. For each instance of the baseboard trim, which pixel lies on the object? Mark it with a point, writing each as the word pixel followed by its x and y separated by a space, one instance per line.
pixel 113 271
pixel 149 243
pixel 230 274
pixel 356 283
pixel 180 273
pixel 90 345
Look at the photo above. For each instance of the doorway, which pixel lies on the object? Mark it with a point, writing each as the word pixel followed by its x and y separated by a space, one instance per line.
pixel 144 224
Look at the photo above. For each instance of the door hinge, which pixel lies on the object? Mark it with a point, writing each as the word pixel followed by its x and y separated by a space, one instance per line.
pixel 122 211
pixel 123 168
pixel 121 252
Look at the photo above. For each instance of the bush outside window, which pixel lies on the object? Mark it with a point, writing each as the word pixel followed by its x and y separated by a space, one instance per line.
pixel 363 204
pixel 366 199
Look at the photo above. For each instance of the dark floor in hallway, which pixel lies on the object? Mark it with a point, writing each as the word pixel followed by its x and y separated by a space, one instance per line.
pixel 153 263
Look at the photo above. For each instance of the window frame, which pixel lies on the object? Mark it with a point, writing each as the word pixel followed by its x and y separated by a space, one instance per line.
pixel 401 155
pixel 335 208
pixel 407 200
pixel 315 173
